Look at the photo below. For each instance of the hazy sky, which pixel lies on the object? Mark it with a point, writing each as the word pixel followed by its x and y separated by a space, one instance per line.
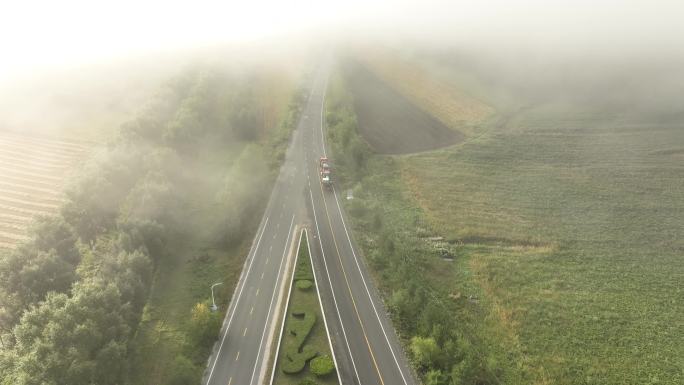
pixel 46 33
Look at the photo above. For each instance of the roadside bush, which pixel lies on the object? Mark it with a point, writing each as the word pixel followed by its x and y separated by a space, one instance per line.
pixel 351 152
pixel 358 209
pixel 436 377
pixel 204 325
pixel 304 284
pixel 322 365
pixel 184 371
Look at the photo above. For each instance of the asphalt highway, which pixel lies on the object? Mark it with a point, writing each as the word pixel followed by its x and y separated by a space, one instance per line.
pixel 365 346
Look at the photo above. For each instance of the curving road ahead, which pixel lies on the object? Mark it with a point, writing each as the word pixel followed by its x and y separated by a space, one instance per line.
pixel 364 342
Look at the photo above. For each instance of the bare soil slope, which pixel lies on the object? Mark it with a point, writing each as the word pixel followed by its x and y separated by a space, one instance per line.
pixel 391 123
pixel 438 96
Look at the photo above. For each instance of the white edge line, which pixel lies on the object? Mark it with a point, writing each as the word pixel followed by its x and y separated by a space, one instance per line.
pixel 244 274
pixel 270 306
pixel 332 291
pixel 325 89
pixel 243 280
pixel 352 248
pixel 287 305
pixel 368 291
pixel 337 368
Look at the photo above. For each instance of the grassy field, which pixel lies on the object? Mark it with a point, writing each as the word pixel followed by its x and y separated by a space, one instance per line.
pixel 33 171
pixel 564 224
pixel 585 218
pixel 311 341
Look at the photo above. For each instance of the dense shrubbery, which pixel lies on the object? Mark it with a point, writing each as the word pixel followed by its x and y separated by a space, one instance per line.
pixel 302 341
pixel 44 264
pixel 350 150
pixel 422 311
pixel 72 296
pixel 297 354
pixel 322 365
pixel 204 325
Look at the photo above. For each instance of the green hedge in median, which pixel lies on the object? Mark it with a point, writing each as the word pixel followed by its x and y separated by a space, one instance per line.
pixel 303 271
pixel 322 365
pixel 296 353
pixel 304 338
pixel 304 284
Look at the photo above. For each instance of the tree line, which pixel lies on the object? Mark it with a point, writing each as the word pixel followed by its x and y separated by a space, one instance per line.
pixel 71 296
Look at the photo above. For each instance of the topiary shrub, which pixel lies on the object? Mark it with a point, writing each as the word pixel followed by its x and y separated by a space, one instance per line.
pixel 295 362
pixel 304 284
pixel 299 327
pixel 322 365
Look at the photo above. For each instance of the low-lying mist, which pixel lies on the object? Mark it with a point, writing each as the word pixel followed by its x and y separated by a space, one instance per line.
pixel 89 101
pixel 652 84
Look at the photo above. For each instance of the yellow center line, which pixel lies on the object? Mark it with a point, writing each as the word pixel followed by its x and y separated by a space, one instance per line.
pixel 346 279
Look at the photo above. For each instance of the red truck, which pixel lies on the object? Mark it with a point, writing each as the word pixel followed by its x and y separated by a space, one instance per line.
pixel 325 171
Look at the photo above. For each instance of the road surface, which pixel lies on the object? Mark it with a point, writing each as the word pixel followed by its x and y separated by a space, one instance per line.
pixel 241 351
pixel 364 342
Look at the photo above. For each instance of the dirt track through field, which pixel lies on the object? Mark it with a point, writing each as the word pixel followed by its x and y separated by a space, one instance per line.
pixel 33 172
pixel 389 122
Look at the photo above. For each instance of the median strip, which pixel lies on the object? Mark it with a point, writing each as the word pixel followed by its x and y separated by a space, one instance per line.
pixel 304 355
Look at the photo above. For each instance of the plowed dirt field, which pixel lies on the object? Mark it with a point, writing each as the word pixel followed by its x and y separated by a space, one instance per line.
pixel 33 171
pixel 391 123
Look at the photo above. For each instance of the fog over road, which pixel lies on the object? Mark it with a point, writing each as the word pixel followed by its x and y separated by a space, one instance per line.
pixel 365 345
